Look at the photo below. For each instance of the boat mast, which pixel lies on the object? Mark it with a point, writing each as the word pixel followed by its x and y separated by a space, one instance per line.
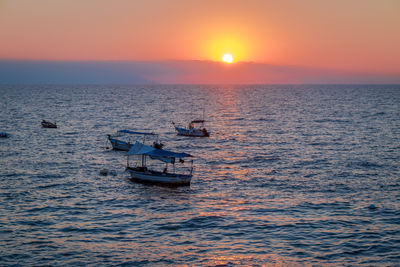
pixel 204 110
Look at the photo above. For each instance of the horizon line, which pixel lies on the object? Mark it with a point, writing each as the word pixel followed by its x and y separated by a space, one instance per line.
pixel 235 63
pixel 195 84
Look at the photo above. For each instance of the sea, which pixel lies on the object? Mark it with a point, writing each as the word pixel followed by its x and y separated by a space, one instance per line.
pixel 291 175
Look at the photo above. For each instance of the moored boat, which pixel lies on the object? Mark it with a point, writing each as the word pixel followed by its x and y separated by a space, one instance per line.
pixel 195 129
pixel 158 172
pixel 4 135
pixel 124 139
pixel 48 124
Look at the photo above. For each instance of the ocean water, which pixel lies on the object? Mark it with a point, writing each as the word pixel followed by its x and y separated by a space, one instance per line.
pixel 291 176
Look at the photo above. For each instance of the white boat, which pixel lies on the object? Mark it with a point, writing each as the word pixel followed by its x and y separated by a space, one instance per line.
pixel 193 130
pixel 161 159
pixel 124 139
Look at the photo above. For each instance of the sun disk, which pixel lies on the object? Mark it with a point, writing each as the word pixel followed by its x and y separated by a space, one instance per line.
pixel 227 58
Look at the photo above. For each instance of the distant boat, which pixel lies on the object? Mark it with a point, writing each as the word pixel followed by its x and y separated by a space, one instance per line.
pixel 47 124
pixel 124 139
pixel 159 172
pixel 4 135
pixel 195 128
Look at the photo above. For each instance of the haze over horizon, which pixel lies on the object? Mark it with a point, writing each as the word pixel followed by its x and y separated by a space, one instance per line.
pixel 176 41
pixel 177 72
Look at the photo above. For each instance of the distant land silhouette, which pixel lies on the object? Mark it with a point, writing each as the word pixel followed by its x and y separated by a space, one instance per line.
pixel 177 72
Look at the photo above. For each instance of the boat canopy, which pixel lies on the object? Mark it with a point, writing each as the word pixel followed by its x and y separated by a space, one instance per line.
pixel 160 154
pixel 132 132
pixel 198 121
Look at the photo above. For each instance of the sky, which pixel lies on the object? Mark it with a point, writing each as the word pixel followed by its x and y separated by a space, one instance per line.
pixel 352 37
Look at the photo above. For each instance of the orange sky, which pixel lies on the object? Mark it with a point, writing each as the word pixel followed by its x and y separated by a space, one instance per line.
pixel 360 35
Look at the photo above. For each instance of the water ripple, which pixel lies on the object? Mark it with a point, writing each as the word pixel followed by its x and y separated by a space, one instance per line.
pixel 291 176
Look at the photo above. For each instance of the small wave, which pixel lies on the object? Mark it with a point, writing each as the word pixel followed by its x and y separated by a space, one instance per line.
pixel 325 205
pixel 71 133
pixel 43 209
pixel 245 161
pixel 332 121
pixel 315 164
pixel 195 223
pixel 35 223
pixel 364 164
pixel 377 114
pixel 320 144
pixel 15 195
pixel 93 230
pixel 266 120
pixel 265 159
pixel 38 242
pixel 47 176
pixel 47 186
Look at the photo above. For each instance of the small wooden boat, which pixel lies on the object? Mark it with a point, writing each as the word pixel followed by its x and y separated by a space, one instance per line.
pixel 158 173
pixel 124 139
pixel 47 124
pixel 4 135
pixel 193 130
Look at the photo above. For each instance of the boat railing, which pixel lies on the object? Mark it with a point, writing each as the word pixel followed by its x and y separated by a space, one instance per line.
pixel 131 136
pixel 181 166
pixel 186 168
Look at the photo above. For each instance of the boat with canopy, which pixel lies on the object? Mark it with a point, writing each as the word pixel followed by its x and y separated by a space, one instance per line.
pixel 124 139
pixel 141 156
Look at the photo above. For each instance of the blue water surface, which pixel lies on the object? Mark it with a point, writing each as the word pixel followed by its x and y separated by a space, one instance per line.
pixel 291 175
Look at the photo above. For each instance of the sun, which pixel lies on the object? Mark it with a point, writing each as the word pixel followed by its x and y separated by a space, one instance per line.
pixel 227 58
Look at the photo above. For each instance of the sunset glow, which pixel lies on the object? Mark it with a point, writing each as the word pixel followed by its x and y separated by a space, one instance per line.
pixel 312 35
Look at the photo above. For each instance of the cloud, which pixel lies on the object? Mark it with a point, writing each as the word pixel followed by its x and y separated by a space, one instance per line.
pixel 175 72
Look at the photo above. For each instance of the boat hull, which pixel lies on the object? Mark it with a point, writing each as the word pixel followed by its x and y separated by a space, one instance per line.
pixel 49 125
pixel 160 178
pixel 4 135
pixel 119 145
pixel 192 132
